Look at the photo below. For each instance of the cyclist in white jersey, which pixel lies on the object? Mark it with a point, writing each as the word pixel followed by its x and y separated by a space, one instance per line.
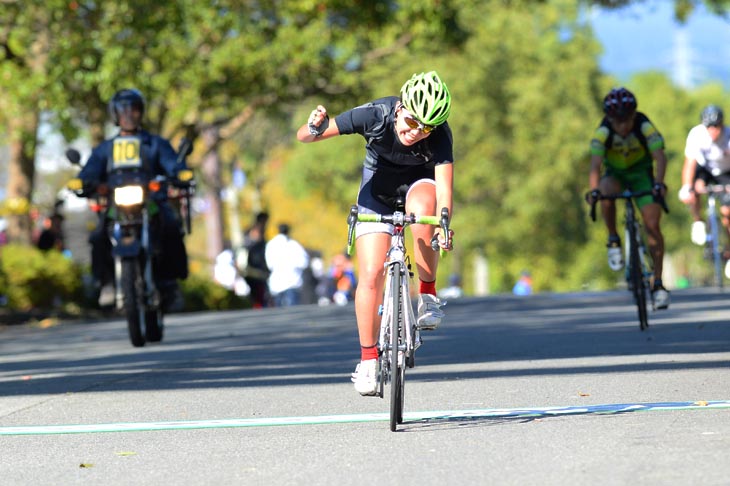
pixel 707 161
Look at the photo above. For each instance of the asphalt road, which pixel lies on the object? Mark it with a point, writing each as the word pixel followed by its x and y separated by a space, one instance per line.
pixel 548 389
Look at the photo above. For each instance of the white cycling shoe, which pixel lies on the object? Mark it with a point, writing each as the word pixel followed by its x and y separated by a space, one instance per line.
pixel 365 377
pixel 699 234
pixel 615 258
pixel 660 295
pixel 429 312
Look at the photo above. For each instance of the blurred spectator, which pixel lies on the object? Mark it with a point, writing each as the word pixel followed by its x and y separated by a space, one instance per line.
pixel 251 261
pixel 454 290
pixel 3 232
pixel 287 260
pixel 312 277
pixel 340 282
pixel 227 275
pixel 51 237
pixel 523 285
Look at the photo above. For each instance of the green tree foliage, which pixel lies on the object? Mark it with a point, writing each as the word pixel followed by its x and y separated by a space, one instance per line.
pixel 524 84
pixel 524 76
pixel 531 82
pixel 32 279
pixel 527 94
pixel 27 30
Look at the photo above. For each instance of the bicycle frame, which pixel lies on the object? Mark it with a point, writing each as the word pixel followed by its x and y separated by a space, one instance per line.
pixel 399 334
pixel 639 265
pixel 645 261
pixel 638 271
pixel 397 262
pixel 713 191
pixel 714 239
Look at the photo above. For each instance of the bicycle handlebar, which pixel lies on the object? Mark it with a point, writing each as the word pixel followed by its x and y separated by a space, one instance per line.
pixel 628 194
pixel 714 189
pixel 398 219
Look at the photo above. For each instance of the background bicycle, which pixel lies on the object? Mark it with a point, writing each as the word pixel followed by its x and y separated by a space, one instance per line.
pixel 639 265
pixel 718 238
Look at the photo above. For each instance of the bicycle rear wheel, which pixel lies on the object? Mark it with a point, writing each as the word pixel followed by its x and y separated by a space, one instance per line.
pixel 397 368
pixel 639 283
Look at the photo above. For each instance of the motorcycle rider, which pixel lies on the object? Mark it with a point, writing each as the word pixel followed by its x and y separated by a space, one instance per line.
pixel 157 157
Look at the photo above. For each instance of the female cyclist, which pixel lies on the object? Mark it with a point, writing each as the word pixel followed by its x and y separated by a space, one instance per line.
pixel 409 151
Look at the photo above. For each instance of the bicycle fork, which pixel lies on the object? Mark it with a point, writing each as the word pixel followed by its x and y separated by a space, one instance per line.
pixel 644 262
pixel 411 335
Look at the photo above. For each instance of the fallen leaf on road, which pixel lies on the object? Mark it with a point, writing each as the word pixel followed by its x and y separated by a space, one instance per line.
pixel 126 453
pixel 48 322
pixel 84 465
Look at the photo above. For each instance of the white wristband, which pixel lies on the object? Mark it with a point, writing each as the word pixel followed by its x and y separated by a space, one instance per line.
pixel 685 192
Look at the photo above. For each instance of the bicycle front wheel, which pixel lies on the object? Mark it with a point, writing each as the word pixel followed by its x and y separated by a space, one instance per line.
pixel 397 368
pixel 639 283
pixel 716 247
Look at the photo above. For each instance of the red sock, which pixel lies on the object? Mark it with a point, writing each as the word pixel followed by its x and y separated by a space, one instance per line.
pixel 368 352
pixel 427 287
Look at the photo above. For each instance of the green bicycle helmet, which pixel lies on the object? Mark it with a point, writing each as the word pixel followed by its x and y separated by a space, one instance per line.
pixel 427 98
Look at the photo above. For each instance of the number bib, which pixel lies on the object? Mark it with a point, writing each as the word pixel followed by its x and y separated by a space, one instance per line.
pixel 126 152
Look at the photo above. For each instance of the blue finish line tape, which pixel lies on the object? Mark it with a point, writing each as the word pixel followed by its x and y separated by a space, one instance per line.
pixel 454 415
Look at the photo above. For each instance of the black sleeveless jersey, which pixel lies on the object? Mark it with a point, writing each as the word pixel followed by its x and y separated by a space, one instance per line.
pixel 392 163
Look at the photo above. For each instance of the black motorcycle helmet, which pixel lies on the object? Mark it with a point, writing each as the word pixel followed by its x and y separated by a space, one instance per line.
pixel 124 98
pixel 712 116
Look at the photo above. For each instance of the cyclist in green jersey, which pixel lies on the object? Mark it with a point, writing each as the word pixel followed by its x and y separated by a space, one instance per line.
pixel 626 144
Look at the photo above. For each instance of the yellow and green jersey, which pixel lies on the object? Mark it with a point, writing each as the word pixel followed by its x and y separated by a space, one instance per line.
pixel 624 153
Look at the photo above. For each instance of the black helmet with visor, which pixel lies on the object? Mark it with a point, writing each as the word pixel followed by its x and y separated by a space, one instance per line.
pixel 126 98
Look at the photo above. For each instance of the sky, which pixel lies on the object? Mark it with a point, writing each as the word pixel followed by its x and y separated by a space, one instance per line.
pixel 644 36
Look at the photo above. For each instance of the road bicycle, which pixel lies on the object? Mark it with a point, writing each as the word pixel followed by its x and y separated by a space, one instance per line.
pixel 639 267
pixel 399 336
pixel 713 244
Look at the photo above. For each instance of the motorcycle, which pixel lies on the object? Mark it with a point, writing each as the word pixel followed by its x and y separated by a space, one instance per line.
pixel 129 200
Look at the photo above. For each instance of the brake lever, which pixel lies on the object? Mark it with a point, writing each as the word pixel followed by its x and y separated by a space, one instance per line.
pixel 593 210
pixel 351 220
pixel 444 230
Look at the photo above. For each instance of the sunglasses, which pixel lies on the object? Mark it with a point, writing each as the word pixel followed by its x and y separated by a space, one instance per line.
pixel 415 124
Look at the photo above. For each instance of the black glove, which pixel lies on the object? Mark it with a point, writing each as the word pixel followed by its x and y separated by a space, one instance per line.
pixel 593 196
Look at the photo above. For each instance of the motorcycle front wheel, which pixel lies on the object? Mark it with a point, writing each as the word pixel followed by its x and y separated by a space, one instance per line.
pixel 132 290
pixel 154 325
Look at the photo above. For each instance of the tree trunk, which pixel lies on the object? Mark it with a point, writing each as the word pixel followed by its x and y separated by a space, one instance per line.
pixel 97 123
pixel 210 169
pixel 21 172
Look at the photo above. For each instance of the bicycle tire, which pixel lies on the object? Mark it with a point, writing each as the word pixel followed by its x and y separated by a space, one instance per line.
pixel 717 263
pixel 396 376
pixel 637 278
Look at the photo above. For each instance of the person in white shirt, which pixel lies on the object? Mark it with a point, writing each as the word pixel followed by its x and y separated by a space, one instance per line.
pixel 707 161
pixel 287 260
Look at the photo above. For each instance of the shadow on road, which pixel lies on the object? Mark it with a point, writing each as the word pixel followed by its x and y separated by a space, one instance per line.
pixel 310 345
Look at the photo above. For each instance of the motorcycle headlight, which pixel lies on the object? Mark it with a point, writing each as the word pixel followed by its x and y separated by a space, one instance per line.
pixel 128 195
